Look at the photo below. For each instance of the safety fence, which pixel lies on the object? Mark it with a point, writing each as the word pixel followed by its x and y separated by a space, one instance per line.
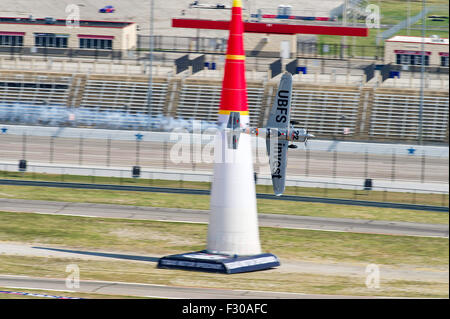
pixel 191 180
pixel 194 151
pixel 208 45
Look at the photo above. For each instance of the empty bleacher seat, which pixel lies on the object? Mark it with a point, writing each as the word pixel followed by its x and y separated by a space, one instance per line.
pixel 124 95
pixel 34 89
pixel 200 101
pixel 325 112
pixel 396 116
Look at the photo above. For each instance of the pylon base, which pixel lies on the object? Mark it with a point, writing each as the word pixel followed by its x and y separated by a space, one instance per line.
pixel 204 261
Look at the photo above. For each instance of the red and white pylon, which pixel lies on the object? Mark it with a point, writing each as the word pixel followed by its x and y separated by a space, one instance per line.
pixel 233 224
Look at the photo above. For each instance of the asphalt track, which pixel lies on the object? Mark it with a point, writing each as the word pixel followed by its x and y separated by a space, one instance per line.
pixel 207 192
pixel 159 151
pixel 139 11
pixel 199 216
pixel 148 290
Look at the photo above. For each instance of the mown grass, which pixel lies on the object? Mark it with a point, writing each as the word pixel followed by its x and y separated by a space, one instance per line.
pixel 271 280
pixel 202 202
pixel 151 237
pixel 148 238
pixel 382 196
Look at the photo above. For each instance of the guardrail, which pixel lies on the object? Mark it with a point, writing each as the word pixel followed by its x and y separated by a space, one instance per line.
pixel 264 183
pixel 194 191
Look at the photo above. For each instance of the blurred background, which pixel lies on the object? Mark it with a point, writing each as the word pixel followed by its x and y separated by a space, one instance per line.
pixel 79 86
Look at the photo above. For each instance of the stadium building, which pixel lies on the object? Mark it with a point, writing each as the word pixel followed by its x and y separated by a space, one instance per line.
pixel 56 33
pixel 407 50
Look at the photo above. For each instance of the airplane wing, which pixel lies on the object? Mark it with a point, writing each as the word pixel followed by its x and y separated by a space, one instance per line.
pixel 277 151
pixel 279 118
pixel 279 115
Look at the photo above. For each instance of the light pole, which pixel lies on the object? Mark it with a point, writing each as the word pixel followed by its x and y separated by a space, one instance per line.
pixel 150 76
pixel 344 22
pixel 249 9
pixel 422 74
pixel 197 45
pixel 408 17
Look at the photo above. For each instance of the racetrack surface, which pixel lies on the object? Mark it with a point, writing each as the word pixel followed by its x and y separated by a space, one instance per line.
pixel 390 163
pixel 336 201
pixel 198 216
pixel 154 291
pixel 42 250
pixel 325 268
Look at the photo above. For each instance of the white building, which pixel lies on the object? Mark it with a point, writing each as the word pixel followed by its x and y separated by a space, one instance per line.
pixel 407 50
pixel 57 33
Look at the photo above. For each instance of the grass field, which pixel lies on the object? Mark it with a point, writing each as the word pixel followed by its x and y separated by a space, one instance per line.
pixel 286 282
pixel 148 238
pixel 201 202
pixel 382 196
pixel 152 237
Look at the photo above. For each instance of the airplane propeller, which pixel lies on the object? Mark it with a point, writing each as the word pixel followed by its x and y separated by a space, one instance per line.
pixel 307 137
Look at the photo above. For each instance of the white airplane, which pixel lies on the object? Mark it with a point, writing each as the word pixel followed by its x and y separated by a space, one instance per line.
pixel 279 132
pixel 196 4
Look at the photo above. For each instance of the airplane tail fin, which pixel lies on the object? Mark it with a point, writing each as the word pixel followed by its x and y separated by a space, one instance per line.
pixel 234 130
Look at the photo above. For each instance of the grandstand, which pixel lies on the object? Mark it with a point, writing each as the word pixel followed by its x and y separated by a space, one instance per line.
pixel 34 88
pixel 395 115
pixel 127 94
pixel 328 111
pixel 200 100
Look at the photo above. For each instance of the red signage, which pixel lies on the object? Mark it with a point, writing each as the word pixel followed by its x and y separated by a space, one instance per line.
pixel 90 36
pixel 12 33
pixel 443 53
pixel 272 28
pixel 411 52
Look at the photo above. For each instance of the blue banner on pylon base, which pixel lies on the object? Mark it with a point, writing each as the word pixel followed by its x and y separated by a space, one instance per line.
pixel 204 261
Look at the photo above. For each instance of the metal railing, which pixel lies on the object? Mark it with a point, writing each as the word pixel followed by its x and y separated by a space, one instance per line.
pixel 205 45
pixel 161 150
pixel 65 52
pixel 218 46
pixel 203 180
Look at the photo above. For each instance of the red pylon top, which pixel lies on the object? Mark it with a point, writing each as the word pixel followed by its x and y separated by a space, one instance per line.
pixel 234 87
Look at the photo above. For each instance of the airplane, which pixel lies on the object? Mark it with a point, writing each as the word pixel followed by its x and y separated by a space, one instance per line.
pixel 196 4
pixel 279 132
